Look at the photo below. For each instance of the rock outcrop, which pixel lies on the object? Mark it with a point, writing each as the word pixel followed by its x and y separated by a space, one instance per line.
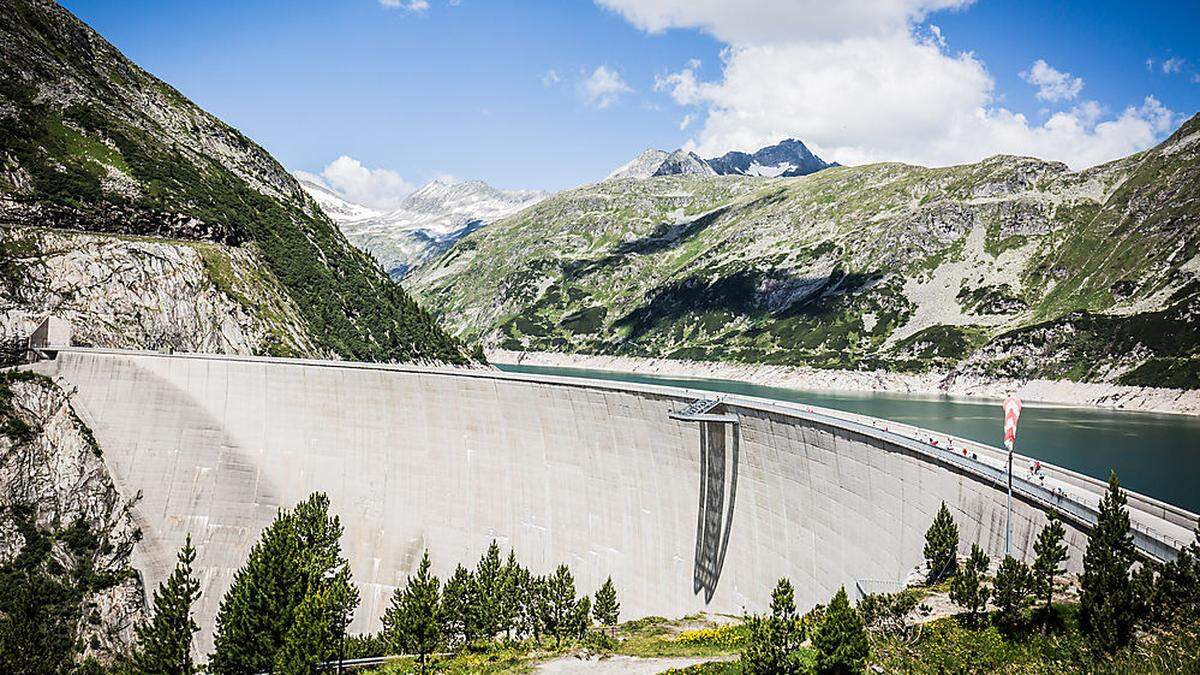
pixel 66 535
pixel 148 293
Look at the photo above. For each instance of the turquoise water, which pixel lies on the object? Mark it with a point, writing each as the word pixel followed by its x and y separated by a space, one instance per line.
pixel 1157 455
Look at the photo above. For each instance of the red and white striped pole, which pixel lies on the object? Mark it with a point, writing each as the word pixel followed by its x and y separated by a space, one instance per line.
pixel 1012 413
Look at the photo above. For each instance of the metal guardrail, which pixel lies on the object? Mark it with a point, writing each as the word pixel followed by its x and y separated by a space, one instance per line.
pixel 699 407
pixel 1156 545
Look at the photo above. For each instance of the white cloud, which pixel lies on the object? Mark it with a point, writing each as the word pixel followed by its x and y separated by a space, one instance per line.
pixel 685 122
pixel 1053 85
pixel 682 86
pixel 409 5
pixel 551 78
pixel 1173 65
pixel 750 22
pixel 603 87
pixel 377 188
pixel 861 83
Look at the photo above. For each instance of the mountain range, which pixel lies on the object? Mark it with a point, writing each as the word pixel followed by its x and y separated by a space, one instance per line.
pixel 148 223
pixel 426 223
pixel 1008 268
pixel 788 158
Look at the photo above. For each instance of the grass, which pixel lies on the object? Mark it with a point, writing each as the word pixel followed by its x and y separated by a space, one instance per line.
pixel 649 637
pixel 690 636
pixel 947 645
pixel 950 645
pixel 497 662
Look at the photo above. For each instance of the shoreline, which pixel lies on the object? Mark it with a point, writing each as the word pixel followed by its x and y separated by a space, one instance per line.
pixel 1057 392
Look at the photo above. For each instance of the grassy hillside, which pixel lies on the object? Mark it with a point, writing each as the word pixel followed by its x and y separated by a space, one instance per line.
pixel 1010 267
pixel 90 141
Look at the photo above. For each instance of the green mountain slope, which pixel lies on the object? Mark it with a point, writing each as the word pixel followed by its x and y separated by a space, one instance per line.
pixel 1010 267
pixel 89 141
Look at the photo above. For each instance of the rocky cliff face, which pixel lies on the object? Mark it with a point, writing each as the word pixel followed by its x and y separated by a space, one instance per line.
pixel 1010 268
pixel 90 142
pixel 67 591
pixel 143 292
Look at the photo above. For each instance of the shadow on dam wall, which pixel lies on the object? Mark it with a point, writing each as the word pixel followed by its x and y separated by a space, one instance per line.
pixel 718 496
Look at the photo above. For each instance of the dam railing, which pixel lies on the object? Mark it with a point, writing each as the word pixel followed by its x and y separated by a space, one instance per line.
pixel 1159 530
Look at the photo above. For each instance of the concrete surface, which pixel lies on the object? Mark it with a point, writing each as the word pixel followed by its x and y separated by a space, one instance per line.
pixel 594 474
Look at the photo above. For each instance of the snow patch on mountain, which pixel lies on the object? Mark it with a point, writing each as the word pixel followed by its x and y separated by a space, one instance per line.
pixel 334 205
pixel 787 158
pixel 427 222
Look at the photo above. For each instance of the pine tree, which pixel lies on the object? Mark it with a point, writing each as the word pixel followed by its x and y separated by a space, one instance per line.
pixel 489 583
pixel 560 603
pixel 967 589
pixel 775 638
pixel 941 546
pixel 318 630
pixel 460 607
pixel 527 590
pixel 582 619
pixel 413 622
pixel 1106 600
pixel 295 556
pixel 1010 590
pixel 841 638
pixel 164 644
pixel 510 600
pixel 607 609
pixel 1051 552
pixel 535 606
pixel 1176 591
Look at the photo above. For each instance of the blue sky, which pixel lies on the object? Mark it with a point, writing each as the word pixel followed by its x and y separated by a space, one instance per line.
pixel 463 89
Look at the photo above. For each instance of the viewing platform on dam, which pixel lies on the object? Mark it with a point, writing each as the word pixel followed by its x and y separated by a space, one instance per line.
pixel 698 500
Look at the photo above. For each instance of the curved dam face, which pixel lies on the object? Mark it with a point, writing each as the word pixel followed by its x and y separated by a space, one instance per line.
pixel 593 474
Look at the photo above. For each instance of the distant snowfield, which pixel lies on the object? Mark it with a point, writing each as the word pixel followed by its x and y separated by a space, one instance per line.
pixel 1060 392
pixel 428 222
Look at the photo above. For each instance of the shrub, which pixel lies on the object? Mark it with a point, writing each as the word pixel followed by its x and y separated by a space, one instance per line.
pixel 1106 598
pixel 841 638
pixel 774 640
pixel 941 546
pixel 1010 591
pixel 967 589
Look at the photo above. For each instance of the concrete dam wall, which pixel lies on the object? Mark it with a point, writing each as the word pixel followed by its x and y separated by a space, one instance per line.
pixel 590 473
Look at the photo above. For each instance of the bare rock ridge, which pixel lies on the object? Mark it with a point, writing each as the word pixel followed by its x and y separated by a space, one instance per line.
pixel 90 142
pixel 787 158
pixel 66 535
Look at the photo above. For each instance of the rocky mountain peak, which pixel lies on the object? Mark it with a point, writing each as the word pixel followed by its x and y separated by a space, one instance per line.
pixel 642 166
pixel 686 163
pixel 789 157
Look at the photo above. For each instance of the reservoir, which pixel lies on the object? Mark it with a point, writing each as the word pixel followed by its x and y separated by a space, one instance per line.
pixel 1155 454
